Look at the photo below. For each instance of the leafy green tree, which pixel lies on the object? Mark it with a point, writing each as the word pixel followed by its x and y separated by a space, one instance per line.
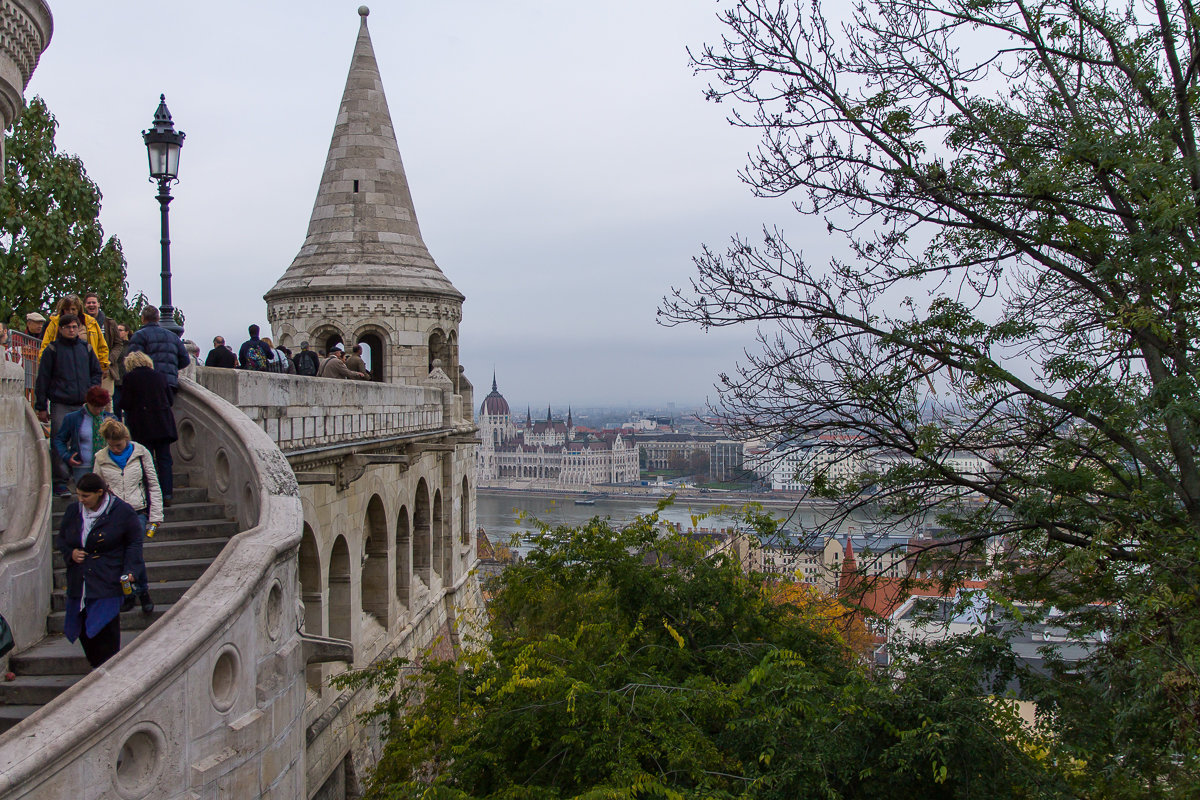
pixel 51 242
pixel 620 663
pixel 1017 187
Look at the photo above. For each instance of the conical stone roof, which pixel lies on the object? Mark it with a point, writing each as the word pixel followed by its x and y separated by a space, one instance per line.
pixel 363 234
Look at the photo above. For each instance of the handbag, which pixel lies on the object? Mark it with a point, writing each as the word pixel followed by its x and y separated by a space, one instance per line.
pixel 6 637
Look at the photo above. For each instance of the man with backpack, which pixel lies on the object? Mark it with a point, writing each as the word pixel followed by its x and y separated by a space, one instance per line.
pixel 306 361
pixel 254 353
pixel 67 370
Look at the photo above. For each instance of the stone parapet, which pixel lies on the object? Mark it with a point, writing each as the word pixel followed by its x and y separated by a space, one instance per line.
pixel 25 538
pixel 209 701
pixel 300 413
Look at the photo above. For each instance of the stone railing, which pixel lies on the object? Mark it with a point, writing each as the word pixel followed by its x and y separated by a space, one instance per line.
pixel 25 548
pixel 298 413
pixel 209 701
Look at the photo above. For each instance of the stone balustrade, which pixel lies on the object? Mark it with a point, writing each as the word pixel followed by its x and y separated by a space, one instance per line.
pixel 209 701
pixel 25 546
pixel 300 413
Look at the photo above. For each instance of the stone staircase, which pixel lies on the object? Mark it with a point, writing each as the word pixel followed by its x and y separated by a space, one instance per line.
pixel 192 535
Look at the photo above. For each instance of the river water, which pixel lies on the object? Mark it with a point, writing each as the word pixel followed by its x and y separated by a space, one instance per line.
pixel 501 514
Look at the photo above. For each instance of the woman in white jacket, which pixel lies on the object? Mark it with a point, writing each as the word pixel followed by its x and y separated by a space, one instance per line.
pixel 128 469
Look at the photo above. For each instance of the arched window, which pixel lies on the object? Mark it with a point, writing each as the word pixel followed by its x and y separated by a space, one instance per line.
pixel 422 533
pixel 312 596
pixel 325 338
pixel 341 616
pixel 374 589
pixel 439 351
pixel 403 559
pixel 374 353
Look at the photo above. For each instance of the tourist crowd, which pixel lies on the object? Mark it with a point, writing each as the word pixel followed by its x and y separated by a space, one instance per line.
pixel 107 395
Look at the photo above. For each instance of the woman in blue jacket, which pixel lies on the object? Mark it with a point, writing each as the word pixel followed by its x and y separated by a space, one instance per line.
pixel 78 438
pixel 100 539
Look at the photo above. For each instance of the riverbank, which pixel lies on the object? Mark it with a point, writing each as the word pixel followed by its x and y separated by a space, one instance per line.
pixel 642 495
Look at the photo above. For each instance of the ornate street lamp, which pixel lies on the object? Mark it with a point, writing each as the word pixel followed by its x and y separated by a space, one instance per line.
pixel 163 143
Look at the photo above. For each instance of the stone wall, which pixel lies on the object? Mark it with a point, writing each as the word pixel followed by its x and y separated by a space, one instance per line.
pixel 25 536
pixel 208 702
pixel 299 412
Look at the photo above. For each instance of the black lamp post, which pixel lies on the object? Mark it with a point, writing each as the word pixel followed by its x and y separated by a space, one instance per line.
pixel 163 143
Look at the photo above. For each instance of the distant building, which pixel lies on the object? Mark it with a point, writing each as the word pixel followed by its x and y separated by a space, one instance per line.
pixel 550 453
pixel 661 451
pixel 839 458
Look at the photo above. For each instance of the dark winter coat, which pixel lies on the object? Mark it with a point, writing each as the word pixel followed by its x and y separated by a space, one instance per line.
pixel 146 404
pixel 67 370
pixel 221 357
pixel 307 363
pixel 114 548
pixel 165 349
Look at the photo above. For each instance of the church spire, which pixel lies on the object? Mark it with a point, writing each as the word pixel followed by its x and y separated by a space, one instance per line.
pixel 363 233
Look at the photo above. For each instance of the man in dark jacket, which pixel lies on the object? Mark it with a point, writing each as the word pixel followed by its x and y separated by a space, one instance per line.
pixel 221 355
pixel 306 361
pixel 67 370
pixel 165 349
pixel 254 353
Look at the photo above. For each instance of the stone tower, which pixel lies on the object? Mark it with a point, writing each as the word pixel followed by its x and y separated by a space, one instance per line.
pixel 364 273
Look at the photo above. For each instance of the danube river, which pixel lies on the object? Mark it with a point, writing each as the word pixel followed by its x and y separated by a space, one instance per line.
pixel 501 514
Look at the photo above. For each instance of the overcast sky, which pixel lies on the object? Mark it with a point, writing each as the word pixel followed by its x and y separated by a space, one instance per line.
pixel 564 165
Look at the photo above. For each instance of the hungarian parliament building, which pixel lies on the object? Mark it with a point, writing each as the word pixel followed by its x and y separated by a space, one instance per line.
pixel 549 453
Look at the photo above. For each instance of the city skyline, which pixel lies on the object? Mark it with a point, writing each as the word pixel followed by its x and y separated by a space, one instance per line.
pixel 564 165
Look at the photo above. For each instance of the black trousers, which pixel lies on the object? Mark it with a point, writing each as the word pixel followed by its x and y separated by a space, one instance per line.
pixel 104 645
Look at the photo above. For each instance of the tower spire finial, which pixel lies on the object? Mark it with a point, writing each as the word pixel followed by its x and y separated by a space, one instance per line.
pixel 363 12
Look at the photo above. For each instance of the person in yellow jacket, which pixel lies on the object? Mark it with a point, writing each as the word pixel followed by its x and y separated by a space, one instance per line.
pixel 72 304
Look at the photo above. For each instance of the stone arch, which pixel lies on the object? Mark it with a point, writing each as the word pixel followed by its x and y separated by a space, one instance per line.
pixel 326 336
pixel 403 558
pixel 374 581
pixel 439 349
pixel 422 533
pixel 341 612
pixel 439 536
pixel 464 514
pixel 312 596
pixel 375 340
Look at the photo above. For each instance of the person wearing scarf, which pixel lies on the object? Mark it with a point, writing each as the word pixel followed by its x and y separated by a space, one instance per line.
pixel 100 539
pixel 128 469
pixel 78 438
